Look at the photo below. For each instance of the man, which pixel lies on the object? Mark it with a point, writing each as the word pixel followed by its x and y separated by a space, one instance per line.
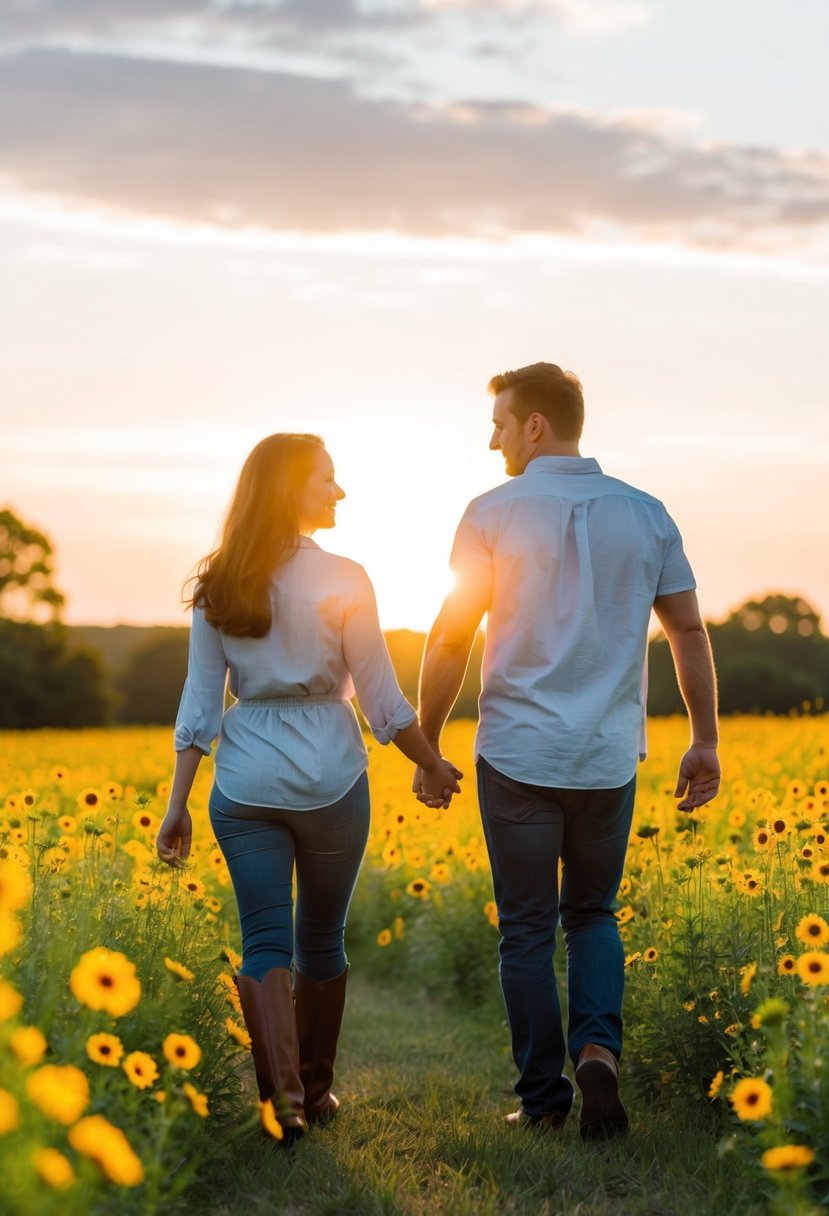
pixel 567 563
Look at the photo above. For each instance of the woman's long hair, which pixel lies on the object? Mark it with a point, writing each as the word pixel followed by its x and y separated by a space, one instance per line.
pixel 260 532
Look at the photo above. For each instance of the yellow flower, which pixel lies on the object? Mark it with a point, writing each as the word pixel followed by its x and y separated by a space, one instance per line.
pixel 109 1148
pixel 105 1049
pixel 106 979
pixel 812 930
pixel 238 1033
pixel 419 887
pixel 160 1095
pixel 822 871
pixel 181 1051
pixel 399 926
pixel 384 937
pixel 651 954
pixel 193 887
pixel 58 773
pixel 232 957
pixel 9 1112
pixel 15 886
pixel 441 872
pixel 11 1002
pixel 625 914
pixel 113 791
pixel 750 882
pixel 751 1098
pixel 88 799
pixel 28 798
pixel 197 1101
pixel 748 973
pixel 144 821
pixel 787 1157
pixel 141 1069
pixel 28 1044
pixel 54 1168
pixel 178 969
pixel 771 1012
pixel 762 839
pixel 60 1090
pixel 714 1087
pixel 269 1120
pixel 813 967
pixel 630 959
pixel 786 964
pixel 67 823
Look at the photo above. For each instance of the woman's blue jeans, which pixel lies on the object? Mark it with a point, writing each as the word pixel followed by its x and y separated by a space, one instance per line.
pixel 261 846
pixel 528 828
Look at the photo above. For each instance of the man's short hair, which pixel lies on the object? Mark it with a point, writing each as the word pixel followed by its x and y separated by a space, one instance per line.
pixel 543 388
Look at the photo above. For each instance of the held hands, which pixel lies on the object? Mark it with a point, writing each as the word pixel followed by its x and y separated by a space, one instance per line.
pixel 699 777
pixel 435 785
pixel 174 836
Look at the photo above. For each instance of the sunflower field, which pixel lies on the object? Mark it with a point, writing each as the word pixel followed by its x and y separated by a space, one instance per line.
pixel 123 1053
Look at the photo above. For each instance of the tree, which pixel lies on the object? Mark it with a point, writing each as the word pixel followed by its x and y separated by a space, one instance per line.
pixel 152 683
pixel 770 655
pixel 26 586
pixel 44 680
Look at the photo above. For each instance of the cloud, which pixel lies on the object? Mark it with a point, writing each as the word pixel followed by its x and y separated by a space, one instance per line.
pixel 236 147
pixel 581 16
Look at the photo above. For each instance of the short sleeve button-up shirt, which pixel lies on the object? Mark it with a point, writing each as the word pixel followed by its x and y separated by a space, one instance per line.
pixel 574 560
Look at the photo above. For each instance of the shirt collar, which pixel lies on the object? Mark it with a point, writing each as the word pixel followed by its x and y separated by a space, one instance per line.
pixel 562 464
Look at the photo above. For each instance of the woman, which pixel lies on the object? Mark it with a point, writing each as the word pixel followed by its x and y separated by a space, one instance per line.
pixel 297 629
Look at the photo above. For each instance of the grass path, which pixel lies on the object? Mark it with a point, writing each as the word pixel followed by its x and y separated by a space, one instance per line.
pixel 423 1087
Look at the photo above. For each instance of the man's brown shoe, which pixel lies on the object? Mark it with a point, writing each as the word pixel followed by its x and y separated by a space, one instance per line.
pixel 597 1076
pixel 520 1118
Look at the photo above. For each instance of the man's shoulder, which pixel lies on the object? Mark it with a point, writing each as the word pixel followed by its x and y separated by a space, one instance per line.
pixel 499 494
pixel 615 485
pixel 601 485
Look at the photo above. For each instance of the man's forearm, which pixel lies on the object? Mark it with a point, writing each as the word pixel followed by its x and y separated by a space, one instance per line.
pixel 441 677
pixel 697 680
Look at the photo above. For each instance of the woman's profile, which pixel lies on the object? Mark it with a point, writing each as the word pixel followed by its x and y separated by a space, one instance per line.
pixel 296 628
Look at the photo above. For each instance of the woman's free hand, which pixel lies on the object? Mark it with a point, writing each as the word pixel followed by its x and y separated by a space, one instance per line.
pixel 175 836
pixel 434 785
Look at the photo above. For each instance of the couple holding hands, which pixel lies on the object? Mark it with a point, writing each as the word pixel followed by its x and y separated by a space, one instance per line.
pixel 567 564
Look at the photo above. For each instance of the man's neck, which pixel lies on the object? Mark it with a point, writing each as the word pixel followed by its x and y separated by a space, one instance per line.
pixel 556 449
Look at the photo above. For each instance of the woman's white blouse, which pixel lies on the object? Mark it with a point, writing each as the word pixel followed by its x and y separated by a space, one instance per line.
pixel 324 644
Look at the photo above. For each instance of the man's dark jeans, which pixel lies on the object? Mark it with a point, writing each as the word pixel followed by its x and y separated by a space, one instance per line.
pixel 528 828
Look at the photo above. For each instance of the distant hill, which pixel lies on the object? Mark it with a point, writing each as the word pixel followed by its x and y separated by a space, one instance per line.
pixel 115 643
pixel 146 665
pixel 770 654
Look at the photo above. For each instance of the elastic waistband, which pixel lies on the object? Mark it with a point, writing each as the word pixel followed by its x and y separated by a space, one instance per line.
pixel 320 698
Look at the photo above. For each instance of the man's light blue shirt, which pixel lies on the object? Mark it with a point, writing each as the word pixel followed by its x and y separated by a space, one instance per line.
pixel 574 561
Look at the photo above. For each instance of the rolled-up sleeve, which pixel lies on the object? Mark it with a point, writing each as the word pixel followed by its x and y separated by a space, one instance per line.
pixel 202 700
pixel 369 663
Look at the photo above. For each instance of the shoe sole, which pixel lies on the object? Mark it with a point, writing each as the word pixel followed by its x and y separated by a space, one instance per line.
pixel 602 1112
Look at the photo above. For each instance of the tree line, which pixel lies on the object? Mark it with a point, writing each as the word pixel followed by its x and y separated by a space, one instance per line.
pixel 771 656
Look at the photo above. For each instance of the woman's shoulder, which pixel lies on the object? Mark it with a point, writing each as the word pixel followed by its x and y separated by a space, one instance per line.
pixel 337 570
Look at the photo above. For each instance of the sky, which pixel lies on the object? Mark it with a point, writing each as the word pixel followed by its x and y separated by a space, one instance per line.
pixel 221 220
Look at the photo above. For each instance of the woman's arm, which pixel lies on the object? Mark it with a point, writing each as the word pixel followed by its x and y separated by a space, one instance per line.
pixel 391 718
pixel 198 722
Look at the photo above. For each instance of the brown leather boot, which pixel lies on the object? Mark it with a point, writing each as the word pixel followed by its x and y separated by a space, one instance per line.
pixel 597 1076
pixel 268 1010
pixel 319 1015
